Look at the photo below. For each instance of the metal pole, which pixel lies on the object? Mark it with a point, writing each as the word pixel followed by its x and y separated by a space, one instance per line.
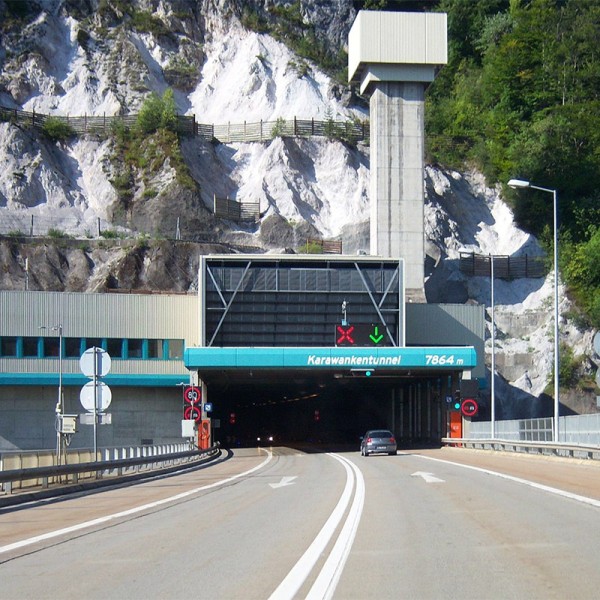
pixel 555 433
pixel 59 404
pixel 58 409
pixel 493 374
pixel 556 340
pixel 519 183
pixel 95 404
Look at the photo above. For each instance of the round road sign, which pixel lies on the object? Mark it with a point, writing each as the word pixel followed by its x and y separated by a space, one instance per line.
pixel 192 394
pixel 192 412
pixel 469 407
pixel 103 396
pixel 100 357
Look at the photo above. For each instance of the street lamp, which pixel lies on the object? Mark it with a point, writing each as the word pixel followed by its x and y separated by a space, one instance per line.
pixel 520 184
pixel 59 402
pixel 493 335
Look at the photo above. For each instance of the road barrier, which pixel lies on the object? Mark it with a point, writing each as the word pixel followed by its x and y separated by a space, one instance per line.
pixel 43 476
pixel 540 448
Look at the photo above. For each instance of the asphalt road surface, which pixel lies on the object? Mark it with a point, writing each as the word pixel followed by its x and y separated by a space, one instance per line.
pixel 281 523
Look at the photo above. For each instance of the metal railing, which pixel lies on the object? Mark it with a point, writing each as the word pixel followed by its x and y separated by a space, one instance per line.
pixel 578 430
pixel 43 476
pixel 542 448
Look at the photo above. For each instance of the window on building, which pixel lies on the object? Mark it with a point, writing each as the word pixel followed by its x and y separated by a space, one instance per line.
pixel 8 346
pixel 72 347
pixel 30 347
pixel 93 342
pixel 155 348
pixel 51 346
pixel 134 348
pixel 114 347
pixel 175 349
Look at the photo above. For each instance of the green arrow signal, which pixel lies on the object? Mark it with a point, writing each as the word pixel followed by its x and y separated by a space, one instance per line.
pixel 376 337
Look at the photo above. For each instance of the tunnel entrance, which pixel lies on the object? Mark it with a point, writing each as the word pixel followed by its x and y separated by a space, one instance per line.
pixel 300 407
pixel 316 349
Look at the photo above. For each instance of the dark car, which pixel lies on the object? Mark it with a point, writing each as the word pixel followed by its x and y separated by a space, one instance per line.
pixel 378 441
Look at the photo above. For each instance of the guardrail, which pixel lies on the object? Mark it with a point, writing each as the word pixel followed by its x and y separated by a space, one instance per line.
pixel 543 448
pixel 40 476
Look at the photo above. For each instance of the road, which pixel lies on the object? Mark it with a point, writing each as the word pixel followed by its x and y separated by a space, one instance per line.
pixel 281 523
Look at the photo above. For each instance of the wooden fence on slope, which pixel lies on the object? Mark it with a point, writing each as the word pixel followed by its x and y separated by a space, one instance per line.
pixel 505 267
pixel 354 131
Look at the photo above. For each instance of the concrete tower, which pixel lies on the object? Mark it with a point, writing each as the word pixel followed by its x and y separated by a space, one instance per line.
pixel 394 56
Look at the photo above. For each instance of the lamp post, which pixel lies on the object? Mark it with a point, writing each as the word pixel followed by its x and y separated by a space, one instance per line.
pixel 493 335
pixel 59 402
pixel 520 184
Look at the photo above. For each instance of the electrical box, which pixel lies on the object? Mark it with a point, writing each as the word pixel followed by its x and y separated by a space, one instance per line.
pixel 68 424
pixel 188 428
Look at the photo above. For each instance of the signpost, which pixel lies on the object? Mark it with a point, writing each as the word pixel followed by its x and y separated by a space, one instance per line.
pixel 95 396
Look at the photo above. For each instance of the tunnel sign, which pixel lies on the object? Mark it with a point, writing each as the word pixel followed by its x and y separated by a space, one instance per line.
pixel 380 358
pixel 360 334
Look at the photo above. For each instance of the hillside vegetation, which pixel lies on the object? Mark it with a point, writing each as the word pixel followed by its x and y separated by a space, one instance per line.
pixel 520 98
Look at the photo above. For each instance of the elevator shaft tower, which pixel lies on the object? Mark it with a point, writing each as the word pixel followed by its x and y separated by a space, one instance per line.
pixel 394 56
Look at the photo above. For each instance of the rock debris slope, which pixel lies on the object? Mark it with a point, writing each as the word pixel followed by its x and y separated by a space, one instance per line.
pixel 96 59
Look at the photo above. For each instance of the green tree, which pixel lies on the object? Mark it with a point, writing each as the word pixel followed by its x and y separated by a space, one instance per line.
pixel 57 129
pixel 158 113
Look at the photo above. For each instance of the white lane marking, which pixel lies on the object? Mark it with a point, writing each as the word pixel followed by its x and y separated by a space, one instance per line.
pixel 300 571
pixel 284 482
pixel 428 477
pixel 330 574
pixel 130 511
pixel 533 484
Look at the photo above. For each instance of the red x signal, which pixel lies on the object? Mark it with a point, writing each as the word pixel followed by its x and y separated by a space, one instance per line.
pixel 345 335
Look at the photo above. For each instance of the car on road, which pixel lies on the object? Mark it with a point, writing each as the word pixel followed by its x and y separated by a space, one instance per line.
pixel 378 441
pixel 265 439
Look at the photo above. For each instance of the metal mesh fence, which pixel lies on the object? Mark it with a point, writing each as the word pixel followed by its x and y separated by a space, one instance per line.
pixel 573 429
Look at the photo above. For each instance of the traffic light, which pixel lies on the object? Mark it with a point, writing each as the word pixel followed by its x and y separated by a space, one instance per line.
pixel 457 401
pixel 232 418
pixel 192 399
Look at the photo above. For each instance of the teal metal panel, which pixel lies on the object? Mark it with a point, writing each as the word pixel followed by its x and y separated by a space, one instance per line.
pixel 116 380
pixel 331 358
pixel 260 357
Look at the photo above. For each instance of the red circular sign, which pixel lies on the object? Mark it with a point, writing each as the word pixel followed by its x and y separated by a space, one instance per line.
pixel 469 407
pixel 192 394
pixel 192 412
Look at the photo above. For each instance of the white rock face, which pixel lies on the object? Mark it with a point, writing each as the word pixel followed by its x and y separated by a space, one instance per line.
pixel 247 77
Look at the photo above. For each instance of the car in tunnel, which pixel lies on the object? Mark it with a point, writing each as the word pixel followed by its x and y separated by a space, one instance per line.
pixel 378 441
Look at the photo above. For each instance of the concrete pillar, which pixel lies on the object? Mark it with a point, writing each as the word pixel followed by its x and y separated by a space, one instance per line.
pixel 397 213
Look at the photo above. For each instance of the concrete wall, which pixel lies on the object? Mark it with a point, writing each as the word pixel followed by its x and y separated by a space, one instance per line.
pixel 139 416
pixel 446 325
